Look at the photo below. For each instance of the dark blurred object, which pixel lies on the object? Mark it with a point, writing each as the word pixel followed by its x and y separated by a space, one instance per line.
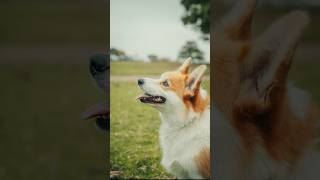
pixel 99 68
pixel 98 64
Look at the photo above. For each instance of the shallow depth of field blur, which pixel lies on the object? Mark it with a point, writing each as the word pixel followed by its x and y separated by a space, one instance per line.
pixel 45 86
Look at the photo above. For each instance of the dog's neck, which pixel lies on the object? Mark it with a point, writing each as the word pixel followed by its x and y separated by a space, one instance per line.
pixel 181 118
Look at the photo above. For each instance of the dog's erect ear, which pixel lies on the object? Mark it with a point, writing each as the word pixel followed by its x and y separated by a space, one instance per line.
pixel 238 25
pixel 269 61
pixel 184 68
pixel 194 79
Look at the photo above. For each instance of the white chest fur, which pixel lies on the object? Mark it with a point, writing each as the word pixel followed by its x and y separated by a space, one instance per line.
pixel 182 143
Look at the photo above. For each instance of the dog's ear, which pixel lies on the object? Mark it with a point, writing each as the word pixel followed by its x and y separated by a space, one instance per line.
pixel 238 25
pixel 194 79
pixel 268 63
pixel 184 68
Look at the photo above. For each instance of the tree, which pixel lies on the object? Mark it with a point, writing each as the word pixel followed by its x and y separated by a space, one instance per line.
pixel 197 14
pixel 117 54
pixel 190 49
pixel 153 58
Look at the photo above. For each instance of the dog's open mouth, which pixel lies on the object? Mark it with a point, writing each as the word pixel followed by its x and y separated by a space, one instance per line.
pixel 150 99
pixel 100 112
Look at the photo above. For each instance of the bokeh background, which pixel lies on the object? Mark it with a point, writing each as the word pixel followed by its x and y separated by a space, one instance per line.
pixel 45 85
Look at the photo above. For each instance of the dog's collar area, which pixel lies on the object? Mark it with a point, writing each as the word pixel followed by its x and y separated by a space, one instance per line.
pixel 188 124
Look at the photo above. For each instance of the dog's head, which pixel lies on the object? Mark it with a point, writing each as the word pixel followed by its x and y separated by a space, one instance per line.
pixel 176 89
pixel 99 69
pixel 248 68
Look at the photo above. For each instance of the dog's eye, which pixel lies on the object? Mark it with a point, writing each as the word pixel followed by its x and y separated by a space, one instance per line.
pixel 165 83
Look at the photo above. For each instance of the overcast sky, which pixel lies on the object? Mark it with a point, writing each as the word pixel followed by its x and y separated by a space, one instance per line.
pixel 143 27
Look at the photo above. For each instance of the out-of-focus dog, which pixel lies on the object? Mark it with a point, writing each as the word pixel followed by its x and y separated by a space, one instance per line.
pixel 264 128
pixel 99 69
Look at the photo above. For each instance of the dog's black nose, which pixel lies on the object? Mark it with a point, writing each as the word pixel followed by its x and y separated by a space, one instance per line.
pixel 99 63
pixel 140 82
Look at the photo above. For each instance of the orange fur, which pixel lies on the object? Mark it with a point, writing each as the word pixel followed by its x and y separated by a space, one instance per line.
pixel 203 163
pixel 276 129
pixel 178 83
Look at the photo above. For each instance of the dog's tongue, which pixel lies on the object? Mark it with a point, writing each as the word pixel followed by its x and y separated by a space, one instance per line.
pixel 96 110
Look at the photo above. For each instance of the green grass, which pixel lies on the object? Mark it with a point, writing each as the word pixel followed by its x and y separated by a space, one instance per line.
pixel 134 134
pixel 41 133
pixel 123 68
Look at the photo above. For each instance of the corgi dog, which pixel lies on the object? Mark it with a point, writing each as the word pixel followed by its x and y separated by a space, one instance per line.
pixel 263 127
pixel 99 69
pixel 185 120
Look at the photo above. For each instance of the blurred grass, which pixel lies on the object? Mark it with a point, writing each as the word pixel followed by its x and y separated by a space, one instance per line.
pixel 125 68
pixel 53 22
pixel 41 133
pixel 134 134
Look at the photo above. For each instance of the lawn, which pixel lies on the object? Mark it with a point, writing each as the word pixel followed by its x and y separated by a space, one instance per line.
pixel 134 134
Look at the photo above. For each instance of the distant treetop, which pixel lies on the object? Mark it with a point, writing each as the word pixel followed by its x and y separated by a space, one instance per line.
pixel 197 14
